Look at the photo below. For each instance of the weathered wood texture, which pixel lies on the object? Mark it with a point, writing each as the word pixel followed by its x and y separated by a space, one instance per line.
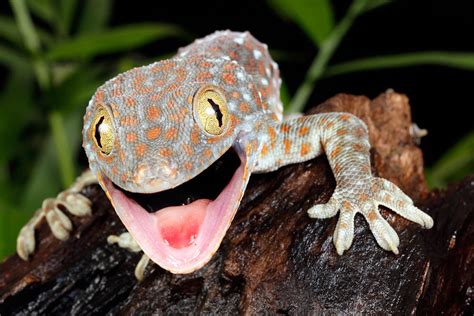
pixel 274 258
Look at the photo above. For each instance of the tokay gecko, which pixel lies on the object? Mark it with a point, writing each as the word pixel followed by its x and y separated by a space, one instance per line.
pixel 150 131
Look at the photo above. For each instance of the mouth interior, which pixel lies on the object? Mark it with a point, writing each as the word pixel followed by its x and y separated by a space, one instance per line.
pixel 182 209
pixel 207 185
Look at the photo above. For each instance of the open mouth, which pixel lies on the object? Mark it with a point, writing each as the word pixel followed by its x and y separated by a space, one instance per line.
pixel 181 228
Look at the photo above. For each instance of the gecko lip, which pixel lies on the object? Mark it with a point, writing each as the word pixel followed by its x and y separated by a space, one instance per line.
pixel 206 185
pixel 182 238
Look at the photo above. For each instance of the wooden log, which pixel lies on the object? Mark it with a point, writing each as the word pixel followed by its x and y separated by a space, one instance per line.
pixel 274 258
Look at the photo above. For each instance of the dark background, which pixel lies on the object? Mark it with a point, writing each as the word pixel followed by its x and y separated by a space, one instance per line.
pixel 440 97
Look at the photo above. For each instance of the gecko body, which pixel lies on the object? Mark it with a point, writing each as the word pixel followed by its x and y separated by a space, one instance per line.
pixel 152 129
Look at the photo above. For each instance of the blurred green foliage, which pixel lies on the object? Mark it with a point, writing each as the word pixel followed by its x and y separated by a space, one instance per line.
pixel 53 70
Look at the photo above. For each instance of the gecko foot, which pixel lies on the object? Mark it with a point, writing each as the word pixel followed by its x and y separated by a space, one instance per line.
pixel 365 197
pixel 125 240
pixel 53 210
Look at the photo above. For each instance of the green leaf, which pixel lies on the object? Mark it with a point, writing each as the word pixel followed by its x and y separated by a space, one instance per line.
pixel 11 221
pixel 43 9
pixel 63 151
pixel 17 111
pixel 456 163
pixel 14 59
pixel 459 60
pixel 65 16
pixel 25 25
pixel 320 62
pixel 45 180
pixel 375 4
pixel 315 17
pixel 112 41
pixel 95 16
pixel 9 30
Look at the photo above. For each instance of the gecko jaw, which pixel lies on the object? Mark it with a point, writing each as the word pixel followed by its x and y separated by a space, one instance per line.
pixel 181 239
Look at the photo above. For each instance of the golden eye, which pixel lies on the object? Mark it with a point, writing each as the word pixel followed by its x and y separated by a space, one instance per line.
pixel 103 131
pixel 210 110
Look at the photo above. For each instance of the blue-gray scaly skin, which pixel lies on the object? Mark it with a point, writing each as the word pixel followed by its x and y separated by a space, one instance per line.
pixel 158 143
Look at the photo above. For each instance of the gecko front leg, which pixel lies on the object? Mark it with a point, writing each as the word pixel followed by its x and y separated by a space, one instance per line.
pixel 53 210
pixel 126 241
pixel 344 139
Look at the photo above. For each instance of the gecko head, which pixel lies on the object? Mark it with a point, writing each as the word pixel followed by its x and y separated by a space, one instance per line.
pixel 172 145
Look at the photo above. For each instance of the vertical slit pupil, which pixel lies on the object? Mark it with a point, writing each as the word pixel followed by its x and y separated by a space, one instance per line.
pixel 217 110
pixel 97 132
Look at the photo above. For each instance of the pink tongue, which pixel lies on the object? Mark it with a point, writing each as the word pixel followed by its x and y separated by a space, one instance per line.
pixel 179 225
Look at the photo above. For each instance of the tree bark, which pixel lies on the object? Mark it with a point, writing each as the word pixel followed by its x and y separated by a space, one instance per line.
pixel 274 258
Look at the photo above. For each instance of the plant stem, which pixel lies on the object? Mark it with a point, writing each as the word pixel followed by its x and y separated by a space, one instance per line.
pixel 327 48
pixel 31 40
pixel 63 151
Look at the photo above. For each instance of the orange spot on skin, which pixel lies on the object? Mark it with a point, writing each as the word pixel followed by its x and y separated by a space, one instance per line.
pixel 207 153
pixel 387 198
pixel 188 166
pixel 341 132
pixel 244 107
pixel 303 131
pixel 130 102
pixel 165 152
pixel 363 197
pixel 272 134
pixel 344 117
pixel 400 204
pixel 337 168
pixel 128 120
pixel 195 136
pixel 228 78
pixel 205 64
pixel 261 68
pixel 187 149
pixel 153 133
pixel 357 147
pixel 114 170
pixel 264 151
pixel 99 96
pixel 124 177
pixel 122 155
pixel 305 147
pixel 171 133
pixel 202 76
pixel 336 151
pixel 190 99
pixel 153 112
pixel 284 128
pixel 371 216
pixel 105 158
pixel 346 205
pixel 170 104
pixel 140 149
pixel 235 94
pixel 329 125
pixel 287 145
pixel 131 137
pixel 229 66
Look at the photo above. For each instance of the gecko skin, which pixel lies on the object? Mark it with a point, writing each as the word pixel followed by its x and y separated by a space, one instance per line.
pixel 154 128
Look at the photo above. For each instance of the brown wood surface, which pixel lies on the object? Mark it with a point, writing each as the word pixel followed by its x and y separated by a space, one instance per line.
pixel 274 259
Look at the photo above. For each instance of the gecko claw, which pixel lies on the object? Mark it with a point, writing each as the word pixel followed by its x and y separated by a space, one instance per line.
pixel 52 209
pixel 126 241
